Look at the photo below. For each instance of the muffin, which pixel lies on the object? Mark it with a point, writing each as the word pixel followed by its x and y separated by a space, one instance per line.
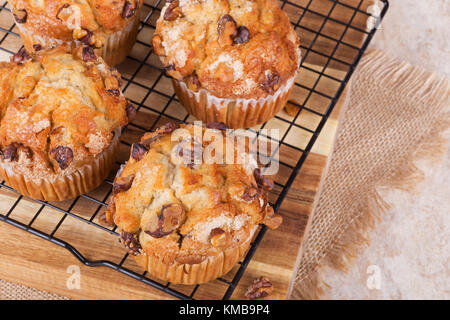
pixel 187 220
pixel 108 26
pixel 61 118
pixel 230 61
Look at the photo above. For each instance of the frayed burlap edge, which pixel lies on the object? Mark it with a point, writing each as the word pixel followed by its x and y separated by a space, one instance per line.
pixel 347 246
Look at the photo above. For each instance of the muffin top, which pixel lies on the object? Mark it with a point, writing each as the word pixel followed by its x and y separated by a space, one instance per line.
pixel 87 21
pixel 231 48
pixel 170 202
pixel 58 110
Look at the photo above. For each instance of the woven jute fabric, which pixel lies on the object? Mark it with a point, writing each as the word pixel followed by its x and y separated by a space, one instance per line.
pixel 395 113
pixel 12 291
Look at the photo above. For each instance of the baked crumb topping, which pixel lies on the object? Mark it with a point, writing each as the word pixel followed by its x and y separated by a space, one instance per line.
pixel 88 21
pixel 56 110
pixel 234 48
pixel 183 211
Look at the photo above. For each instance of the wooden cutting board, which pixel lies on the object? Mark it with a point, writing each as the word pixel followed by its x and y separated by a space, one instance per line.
pixel 34 262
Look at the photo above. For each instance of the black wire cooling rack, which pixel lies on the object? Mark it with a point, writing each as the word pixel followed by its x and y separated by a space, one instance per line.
pixel 334 35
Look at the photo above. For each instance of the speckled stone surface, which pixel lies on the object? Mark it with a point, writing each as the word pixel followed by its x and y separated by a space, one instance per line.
pixel 409 255
pixel 418 32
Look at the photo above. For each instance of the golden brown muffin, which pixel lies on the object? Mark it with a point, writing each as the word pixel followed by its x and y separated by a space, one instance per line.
pixel 185 219
pixel 109 26
pixel 232 60
pixel 61 117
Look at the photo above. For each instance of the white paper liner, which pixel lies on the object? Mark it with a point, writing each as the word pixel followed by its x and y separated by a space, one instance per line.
pixel 117 45
pixel 236 113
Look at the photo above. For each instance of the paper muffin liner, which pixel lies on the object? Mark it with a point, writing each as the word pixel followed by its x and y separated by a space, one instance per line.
pixel 211 268
pixel 117 45
pixel 236 113
pixel 63 187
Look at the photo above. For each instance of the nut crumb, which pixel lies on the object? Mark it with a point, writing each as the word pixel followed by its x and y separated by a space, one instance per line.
pixel 291 109
pixel 260 288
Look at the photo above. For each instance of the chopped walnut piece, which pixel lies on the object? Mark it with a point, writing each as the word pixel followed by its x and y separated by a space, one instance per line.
pixel 220 238
pixel 88 54
pixel 173 11
pixel 260 288
pixel 272 220
pixel 193 82
pixel 20 15
pixel 129 9
pixel 291 109
pixel 271 83
pixel 131 111
pixel 226 28
pixel 62 155
pixel 122 184
pixel 157 46
pixel 21 56
pixel 261 180
pixel 130 241
pixel 168 221
pixel 138 151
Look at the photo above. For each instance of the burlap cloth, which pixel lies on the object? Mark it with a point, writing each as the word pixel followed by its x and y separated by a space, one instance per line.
pixel 395 112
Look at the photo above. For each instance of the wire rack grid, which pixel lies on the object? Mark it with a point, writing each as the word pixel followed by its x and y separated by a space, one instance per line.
pixel 334 35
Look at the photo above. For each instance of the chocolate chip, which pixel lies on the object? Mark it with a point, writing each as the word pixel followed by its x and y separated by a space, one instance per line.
pixel 260 288
pixel 131 111
pixel 168 221
pixel 37 47
pixel 122 184
pixel 271 82
pixel 138 151
pixel 129 9
pixel 88 54
pixel 173 11
pixel 241 35
pixel 130 241
pixel 261 180
pixel 21 56
pixel 62 155
pixel 217 125
pixel 20 15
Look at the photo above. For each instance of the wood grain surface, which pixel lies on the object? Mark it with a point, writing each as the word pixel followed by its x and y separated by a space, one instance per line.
pixel 29 260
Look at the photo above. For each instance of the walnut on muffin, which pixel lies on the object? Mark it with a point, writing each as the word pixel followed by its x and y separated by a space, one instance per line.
pixel 229 54
pixel 110 27
pixel 61 117
pixel 185 219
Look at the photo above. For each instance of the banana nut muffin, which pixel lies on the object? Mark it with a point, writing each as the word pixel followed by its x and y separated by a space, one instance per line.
pixel 109 26
pixel 186 220
pixel 61 117
pixel 232 61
